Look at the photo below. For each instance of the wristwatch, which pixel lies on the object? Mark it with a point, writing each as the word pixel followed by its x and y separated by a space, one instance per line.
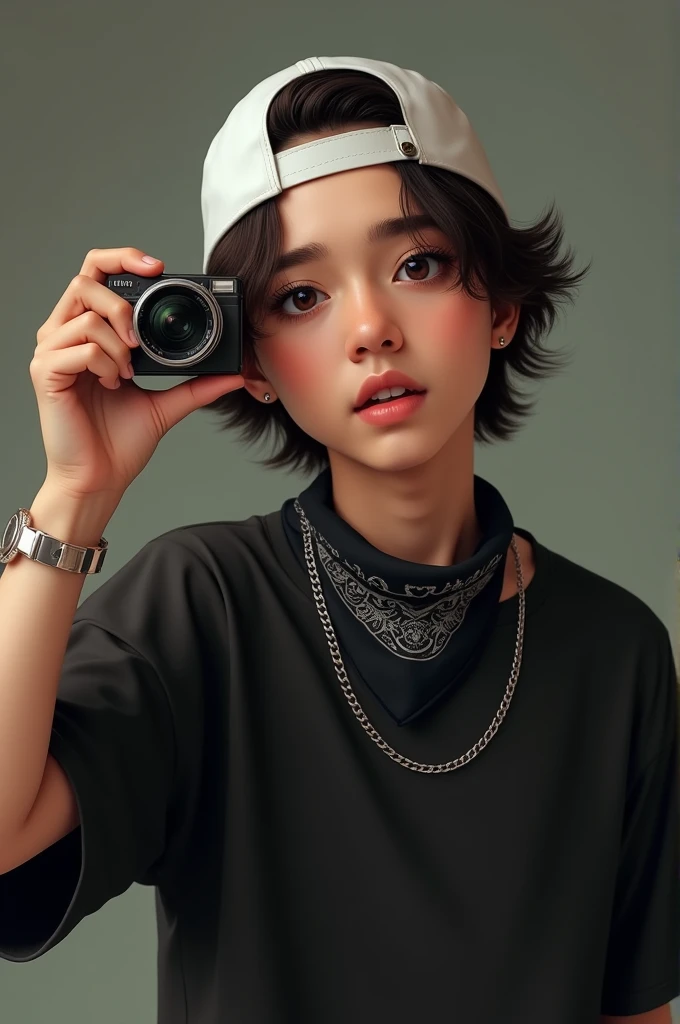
pixel 20 536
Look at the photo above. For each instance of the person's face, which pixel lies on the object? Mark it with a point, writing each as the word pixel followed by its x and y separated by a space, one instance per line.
pixel 365 307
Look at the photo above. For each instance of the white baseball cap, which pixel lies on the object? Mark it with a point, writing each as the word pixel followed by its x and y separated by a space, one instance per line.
pixel 240 170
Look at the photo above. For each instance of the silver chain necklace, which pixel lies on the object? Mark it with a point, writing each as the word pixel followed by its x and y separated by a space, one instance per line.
pixel 415 766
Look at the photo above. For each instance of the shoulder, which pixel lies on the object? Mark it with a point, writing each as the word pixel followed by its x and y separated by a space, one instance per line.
pixel 182 597
pixel 188 566
pixel 215 537
pixel 619 647
pixel 592 600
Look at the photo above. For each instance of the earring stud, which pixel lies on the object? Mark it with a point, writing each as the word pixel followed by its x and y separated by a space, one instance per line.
pixel 267 396
pixel 501 341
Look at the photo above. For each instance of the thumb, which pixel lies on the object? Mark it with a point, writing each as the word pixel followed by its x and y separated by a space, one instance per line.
pixel 176 403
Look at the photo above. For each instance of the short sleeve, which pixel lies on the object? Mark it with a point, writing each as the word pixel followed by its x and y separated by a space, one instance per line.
pixel 115 735
pixel 643 957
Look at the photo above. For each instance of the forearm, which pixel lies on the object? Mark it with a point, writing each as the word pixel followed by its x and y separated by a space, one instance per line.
pixel 37 607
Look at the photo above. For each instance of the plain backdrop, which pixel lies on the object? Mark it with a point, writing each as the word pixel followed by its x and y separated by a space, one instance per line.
pixel 107 113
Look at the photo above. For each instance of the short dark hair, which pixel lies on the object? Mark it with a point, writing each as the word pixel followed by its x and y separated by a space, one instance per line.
pixel 517 265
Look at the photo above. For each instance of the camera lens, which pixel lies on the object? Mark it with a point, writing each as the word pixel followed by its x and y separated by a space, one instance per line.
pixel 177 323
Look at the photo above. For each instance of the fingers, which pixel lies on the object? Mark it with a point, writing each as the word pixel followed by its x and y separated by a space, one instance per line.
pixel 173 404
pixel 83 300
pixel 84 332
pixel 90 313
pixel 99 263
pixel 53 371
pixel 88 291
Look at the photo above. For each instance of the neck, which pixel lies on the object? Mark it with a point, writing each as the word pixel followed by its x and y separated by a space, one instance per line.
pixel 424 514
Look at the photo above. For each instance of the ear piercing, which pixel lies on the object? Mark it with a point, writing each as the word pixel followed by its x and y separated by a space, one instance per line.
pixel 501 341
pixel 267 396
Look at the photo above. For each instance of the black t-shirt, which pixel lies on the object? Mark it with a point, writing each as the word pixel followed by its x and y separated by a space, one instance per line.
pixel 301 874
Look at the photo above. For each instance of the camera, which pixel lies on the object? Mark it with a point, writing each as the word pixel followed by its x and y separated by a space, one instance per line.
pixel 186 324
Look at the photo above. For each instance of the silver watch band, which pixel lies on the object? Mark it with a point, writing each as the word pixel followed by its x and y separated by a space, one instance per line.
pixel 41 547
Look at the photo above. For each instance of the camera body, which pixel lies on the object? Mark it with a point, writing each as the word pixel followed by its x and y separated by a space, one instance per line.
pixel 186 324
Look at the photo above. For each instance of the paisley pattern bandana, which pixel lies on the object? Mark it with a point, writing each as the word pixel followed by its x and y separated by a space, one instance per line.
pixel 412 633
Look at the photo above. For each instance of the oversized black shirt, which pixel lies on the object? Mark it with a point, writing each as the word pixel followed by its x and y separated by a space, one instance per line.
pixel 302 875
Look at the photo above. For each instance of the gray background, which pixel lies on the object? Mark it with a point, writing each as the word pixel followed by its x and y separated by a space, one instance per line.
pixel 107 113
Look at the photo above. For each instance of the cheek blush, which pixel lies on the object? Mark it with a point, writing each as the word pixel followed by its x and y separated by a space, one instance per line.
pixel 297 374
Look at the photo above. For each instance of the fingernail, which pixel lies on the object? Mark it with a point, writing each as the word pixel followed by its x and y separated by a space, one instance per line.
pixel 149 259
pixel 133 339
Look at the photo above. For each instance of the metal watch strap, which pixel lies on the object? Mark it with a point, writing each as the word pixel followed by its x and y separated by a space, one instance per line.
pixel 41 547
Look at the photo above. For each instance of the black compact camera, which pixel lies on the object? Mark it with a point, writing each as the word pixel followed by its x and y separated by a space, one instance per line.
pixel 186 324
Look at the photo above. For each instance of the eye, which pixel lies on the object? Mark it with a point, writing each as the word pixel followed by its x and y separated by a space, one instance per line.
pixel 420 263
pixel 298 301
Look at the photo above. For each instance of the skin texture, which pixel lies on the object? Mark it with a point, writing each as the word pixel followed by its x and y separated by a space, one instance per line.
pixel 407 488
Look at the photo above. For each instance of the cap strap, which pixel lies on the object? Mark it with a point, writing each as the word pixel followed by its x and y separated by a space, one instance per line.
pixel 345 152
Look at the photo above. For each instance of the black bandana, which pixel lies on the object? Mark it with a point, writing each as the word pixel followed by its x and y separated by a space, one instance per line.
pixel 412 632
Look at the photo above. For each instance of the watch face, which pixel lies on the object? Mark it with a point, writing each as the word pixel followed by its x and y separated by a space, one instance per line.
pixel 9 537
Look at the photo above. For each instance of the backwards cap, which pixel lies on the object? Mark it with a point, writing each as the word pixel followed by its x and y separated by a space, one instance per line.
pixel 241 171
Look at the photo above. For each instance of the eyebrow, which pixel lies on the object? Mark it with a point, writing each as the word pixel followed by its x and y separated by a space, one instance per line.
pixel 393 227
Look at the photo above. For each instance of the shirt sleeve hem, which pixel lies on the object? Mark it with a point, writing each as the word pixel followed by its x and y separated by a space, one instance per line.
pixel 643 1000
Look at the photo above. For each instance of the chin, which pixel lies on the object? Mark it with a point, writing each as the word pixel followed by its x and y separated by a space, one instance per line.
pixel 393 455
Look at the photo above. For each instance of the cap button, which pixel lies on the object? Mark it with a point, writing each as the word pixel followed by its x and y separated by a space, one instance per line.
pixel 408 149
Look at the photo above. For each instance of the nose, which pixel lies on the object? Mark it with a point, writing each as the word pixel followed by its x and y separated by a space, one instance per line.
pixel 370 327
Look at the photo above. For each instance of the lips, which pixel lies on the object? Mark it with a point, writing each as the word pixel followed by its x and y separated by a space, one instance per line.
pixel 390 379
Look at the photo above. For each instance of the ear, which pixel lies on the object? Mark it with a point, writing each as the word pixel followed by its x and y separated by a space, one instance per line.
pixel 255 382
pixel 258 388
pixel 505 317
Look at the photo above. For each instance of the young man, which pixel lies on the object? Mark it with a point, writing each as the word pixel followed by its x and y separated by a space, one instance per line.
pixel 467 811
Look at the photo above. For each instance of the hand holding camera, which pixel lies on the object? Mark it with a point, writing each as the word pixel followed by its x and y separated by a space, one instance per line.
pixel 99 435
